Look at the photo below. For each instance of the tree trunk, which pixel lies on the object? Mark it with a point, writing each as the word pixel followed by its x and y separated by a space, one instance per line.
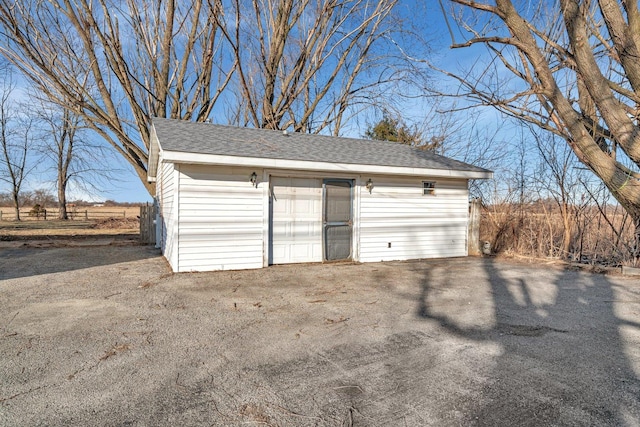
pixel 636 239
pixel 558 57
pixel 62 199
pixel 566 233
pixel 16 205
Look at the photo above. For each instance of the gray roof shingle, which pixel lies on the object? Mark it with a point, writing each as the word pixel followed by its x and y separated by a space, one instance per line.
pixel 206 138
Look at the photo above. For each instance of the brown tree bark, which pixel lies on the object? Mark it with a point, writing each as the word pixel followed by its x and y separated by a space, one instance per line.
pixel 301 64
pixel 560 55
pixel 118 64
pixel 15 142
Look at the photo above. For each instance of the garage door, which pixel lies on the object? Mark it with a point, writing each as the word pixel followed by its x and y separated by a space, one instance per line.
pixel 296 220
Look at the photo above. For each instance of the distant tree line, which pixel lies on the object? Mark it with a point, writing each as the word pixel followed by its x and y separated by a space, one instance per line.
pixel 28 199
pixel 47 200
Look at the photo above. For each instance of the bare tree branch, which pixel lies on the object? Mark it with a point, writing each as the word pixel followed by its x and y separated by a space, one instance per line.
pixel 577 75
pixel 118 64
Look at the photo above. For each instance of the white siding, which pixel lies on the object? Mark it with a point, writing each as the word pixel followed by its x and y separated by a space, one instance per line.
pixel 397 214
pixel 221 219
pixel 214 219
pixel 165 191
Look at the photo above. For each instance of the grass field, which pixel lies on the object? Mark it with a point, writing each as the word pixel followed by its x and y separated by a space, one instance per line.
pixel 89 221
pixel 75 213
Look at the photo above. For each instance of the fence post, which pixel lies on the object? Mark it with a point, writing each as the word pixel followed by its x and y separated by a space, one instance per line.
pixel 473 237
pixel 86 214
pixel 124 214
pixel 0 215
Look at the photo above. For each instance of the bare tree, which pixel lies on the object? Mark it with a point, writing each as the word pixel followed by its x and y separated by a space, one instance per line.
pixel 15 141
pixel 437 126
pixel 574 71
pixel 65 141
pixel 63 144
pixel 117 64
pixel 43 197
pixel 559 177
pixel 310 64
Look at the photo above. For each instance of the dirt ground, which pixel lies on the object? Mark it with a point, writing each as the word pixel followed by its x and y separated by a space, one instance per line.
pixel 54 229
pixel 56 234
pixel 108 336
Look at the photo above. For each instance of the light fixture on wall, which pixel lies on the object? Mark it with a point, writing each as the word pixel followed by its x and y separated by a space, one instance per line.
pixel 254 179
pixel 369 185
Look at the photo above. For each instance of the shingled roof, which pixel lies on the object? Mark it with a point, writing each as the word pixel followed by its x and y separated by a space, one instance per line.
pixel 210 139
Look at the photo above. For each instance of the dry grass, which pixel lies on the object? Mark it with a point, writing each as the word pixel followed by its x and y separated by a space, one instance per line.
pixel 526 231
pixel 103 221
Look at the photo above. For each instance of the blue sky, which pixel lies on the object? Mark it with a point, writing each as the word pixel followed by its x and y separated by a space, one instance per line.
pixel 427 17
pixel 123 185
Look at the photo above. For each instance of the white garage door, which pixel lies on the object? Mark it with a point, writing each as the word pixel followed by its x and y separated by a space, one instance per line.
pixel 296 220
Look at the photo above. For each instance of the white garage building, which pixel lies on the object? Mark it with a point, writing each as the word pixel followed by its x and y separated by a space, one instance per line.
pixel 237 198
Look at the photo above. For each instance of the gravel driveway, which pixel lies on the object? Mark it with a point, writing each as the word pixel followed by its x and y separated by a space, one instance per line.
pixel 107 336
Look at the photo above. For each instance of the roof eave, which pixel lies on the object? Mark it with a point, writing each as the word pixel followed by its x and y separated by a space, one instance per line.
pixel 260 162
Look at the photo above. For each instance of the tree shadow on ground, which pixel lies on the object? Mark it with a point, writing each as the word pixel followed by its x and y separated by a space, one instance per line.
pixel 19 262
pixel 563 359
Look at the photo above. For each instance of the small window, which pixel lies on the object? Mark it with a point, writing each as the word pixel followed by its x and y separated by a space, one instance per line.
pixel 428 188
